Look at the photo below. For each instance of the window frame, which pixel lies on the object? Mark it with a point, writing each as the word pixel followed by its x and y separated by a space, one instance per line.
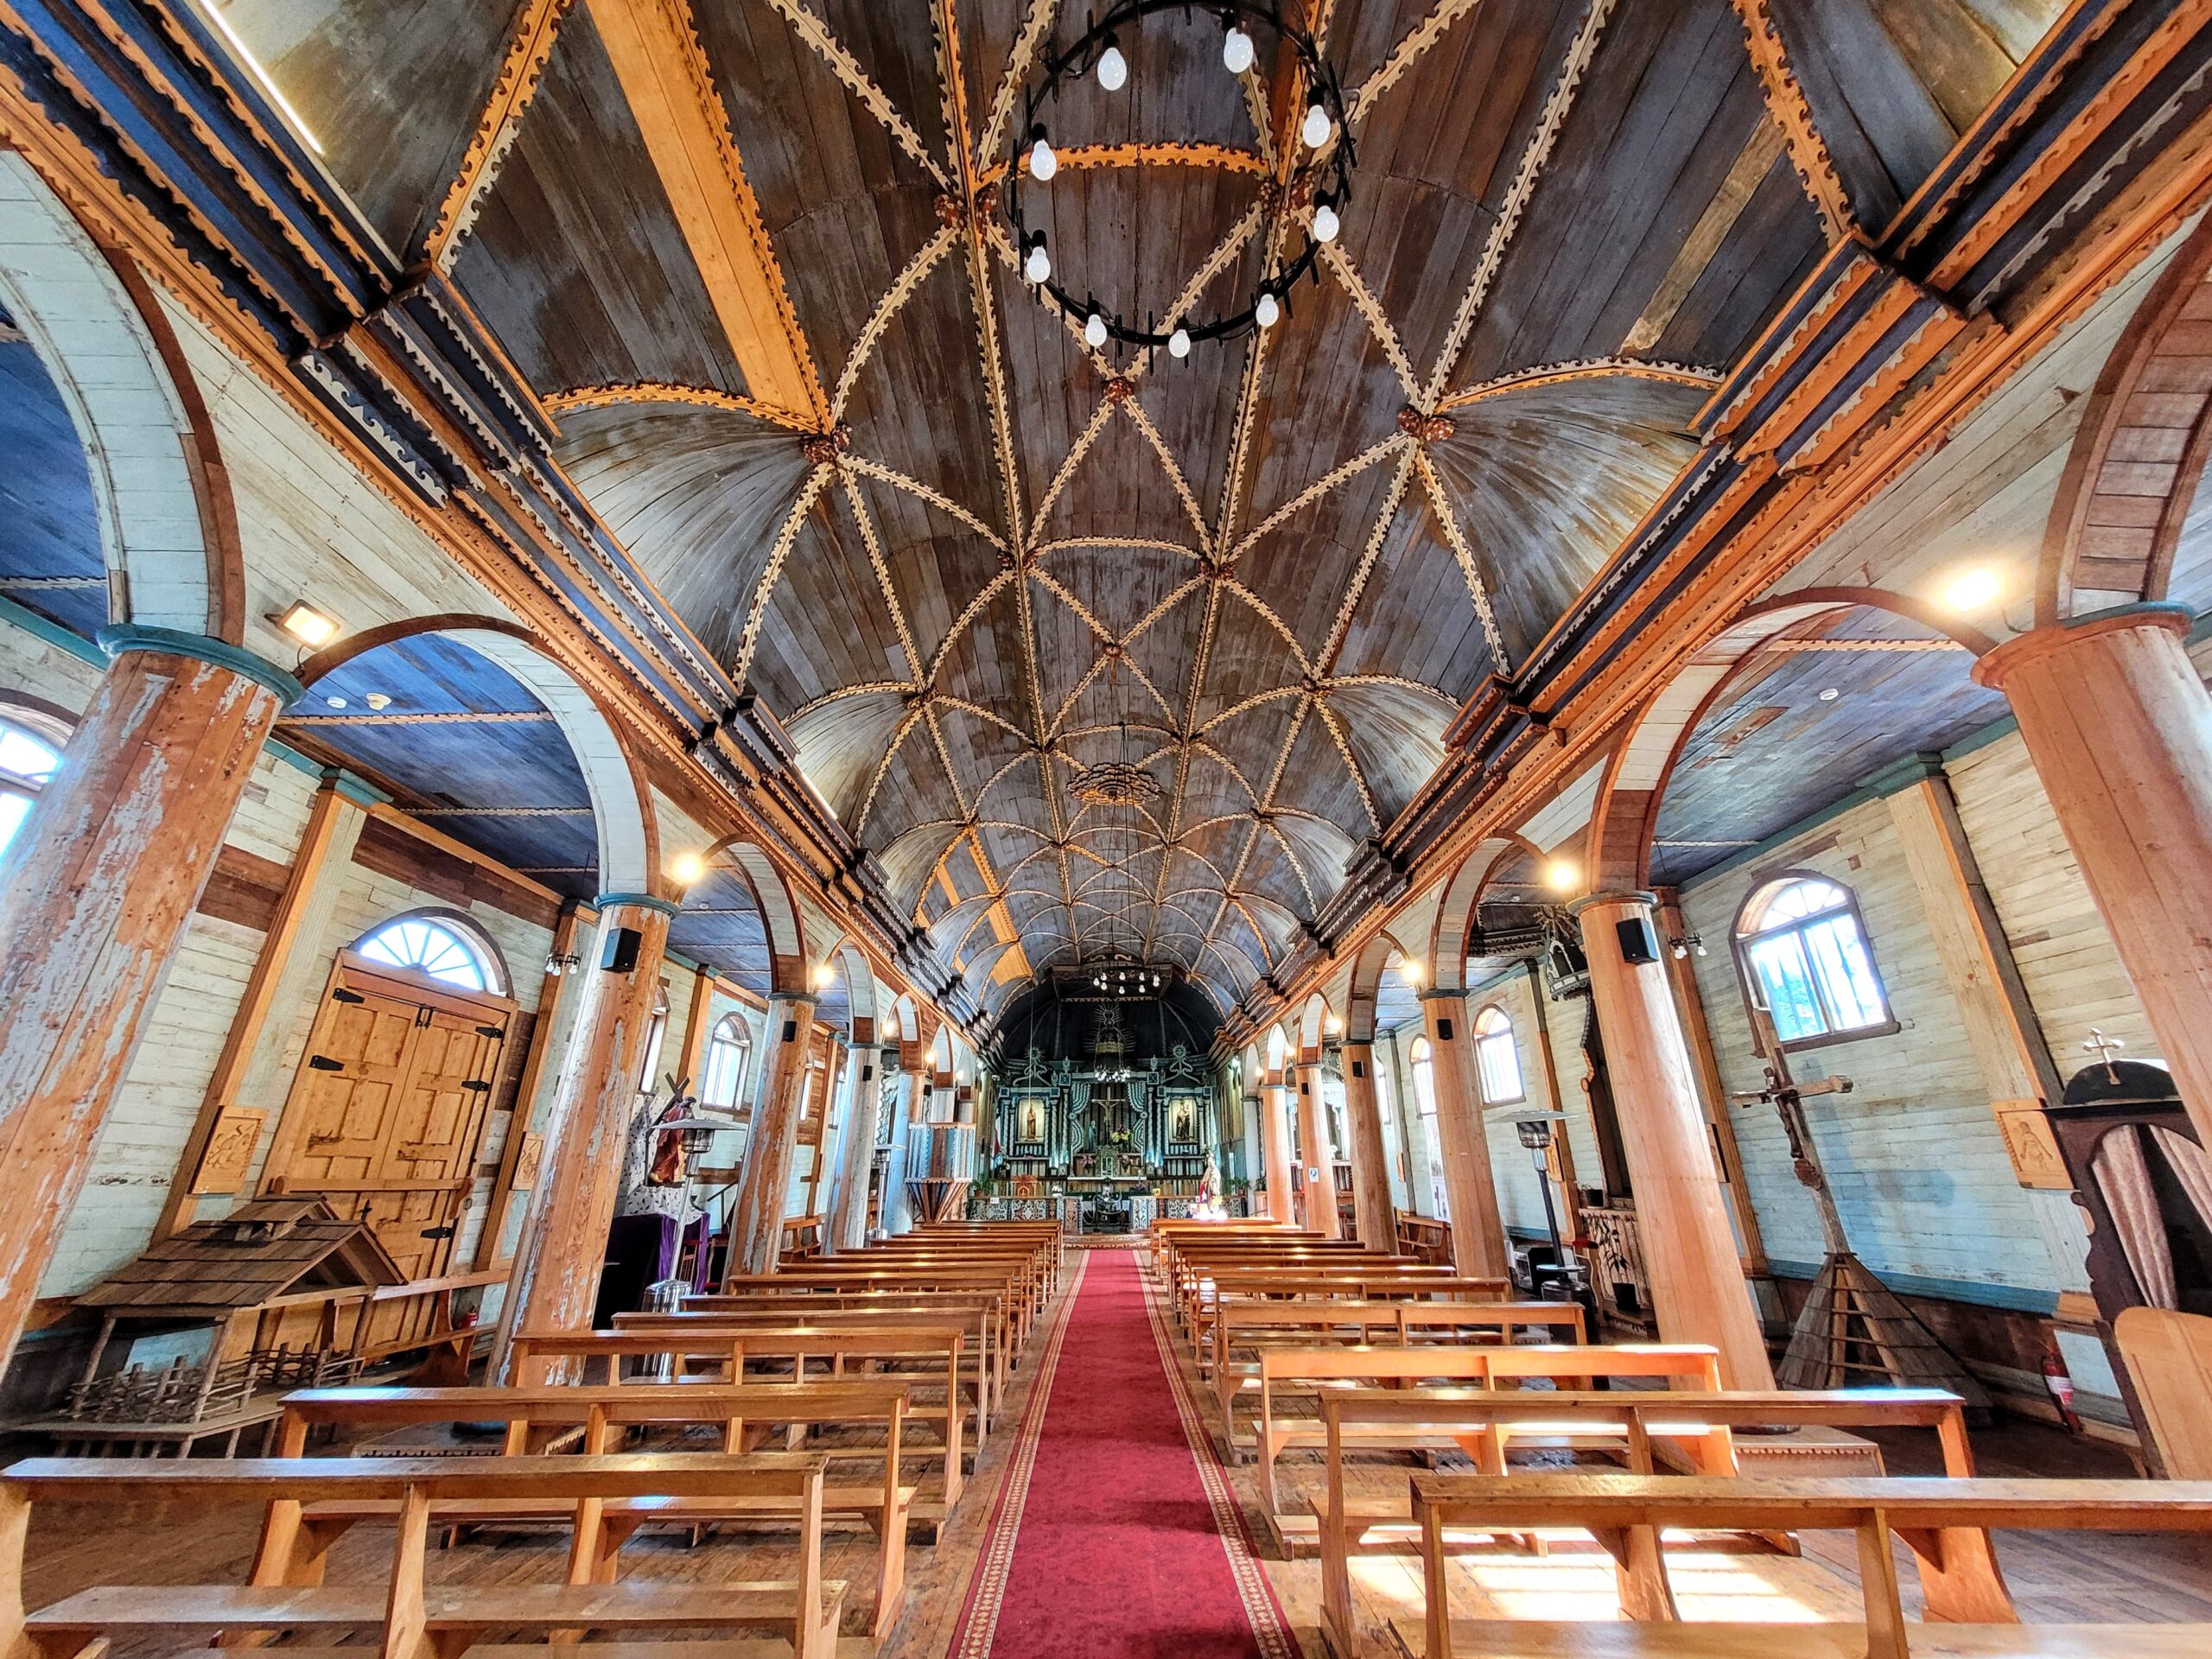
pixel 1763 890
pixel 739 1039
pixel 479 946
pixel 1421 1057
pixel 43 724
pixel 1511 1037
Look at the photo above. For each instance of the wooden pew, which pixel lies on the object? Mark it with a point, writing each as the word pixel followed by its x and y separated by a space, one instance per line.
pixel 1385 1285
pixel 1925 1512
pixel 1484 1423
pixel 995 1321
pixel 1242 1323
pixel 1321 1370
pixel 859 1276
pixel 927 1342
pixel 295 1539
pixel 419 1620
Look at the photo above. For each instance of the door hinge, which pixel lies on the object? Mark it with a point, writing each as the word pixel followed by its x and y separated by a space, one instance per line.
pixel 324 1062
pixel 446 1232
pixel 339 994
pixel 475 1086
pixel 493 1032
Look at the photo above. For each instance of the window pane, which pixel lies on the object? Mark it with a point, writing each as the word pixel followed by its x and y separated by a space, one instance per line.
pixel 28 757
pixel 1424 1086
pixel 1779 962
pixel 427 949
pixel 1500 1063
pixel 13 809
pixel 1847 977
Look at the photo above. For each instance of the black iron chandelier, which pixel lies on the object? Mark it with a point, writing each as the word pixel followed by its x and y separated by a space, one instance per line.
pixel 1322 177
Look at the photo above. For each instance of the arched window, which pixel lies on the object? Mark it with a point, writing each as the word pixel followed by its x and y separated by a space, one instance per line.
pixel 1804 957
pixel 729 1054
pixel 1422 1061
pixel 444 950
pixel 1497 1059
pixel 27 758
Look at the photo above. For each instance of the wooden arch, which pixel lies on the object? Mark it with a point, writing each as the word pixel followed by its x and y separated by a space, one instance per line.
pixel 906 1021
pixel 1366 986
pixel 1457 903
pixel 780 917
pixel 629 835
pixel 846 959
pixel 1312 1028
pixel 2132 472
pixel 1627 809
pixel 170 528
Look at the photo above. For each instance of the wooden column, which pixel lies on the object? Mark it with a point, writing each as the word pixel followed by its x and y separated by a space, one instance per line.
pixel 104 877
pixel 1570 1193
pixel 2118 725
pixel 847 1229
pixel 1316 1156
pixel 554 1286
pixel 1371 1170
pixel 542 1034
pixel 756 1224
pixel 1282 1203
pixel 1478 1225
pixel 1697 1283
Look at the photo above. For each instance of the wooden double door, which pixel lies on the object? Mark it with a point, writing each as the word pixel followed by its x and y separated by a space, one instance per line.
pixel 389 1107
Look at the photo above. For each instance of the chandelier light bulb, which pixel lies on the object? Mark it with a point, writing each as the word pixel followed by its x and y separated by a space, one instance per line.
pixel 1039 266
pixel 1093 331
pixel 1237 52
pixel 1113 68
pixel 1269 311
pixel 1042 162
pixel 1179 343
pixel 1316 127
pixel 1325 223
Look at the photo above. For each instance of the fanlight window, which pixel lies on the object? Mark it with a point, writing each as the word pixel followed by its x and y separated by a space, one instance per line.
pixel 1497 1059
pixel 729 1050
pixel 430 947
pixel 1806 958
pixel 27 764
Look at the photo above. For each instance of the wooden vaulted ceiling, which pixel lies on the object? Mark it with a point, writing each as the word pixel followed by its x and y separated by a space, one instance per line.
pixel 710 232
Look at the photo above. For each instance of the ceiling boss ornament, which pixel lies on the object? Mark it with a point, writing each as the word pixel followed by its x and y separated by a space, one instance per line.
pixel 1318 187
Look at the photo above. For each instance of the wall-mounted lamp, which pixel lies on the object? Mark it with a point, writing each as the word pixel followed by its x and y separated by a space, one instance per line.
pixel 1683 944
pixel 687 868
pixel 558 965
pixel 1562 875
pixel 307 625
pixel 823 976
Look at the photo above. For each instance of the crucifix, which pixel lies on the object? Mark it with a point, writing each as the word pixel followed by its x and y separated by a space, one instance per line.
pixel 2104 1048
pixel 1788 1096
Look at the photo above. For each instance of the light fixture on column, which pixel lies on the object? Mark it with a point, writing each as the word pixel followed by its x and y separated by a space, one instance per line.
pixel 557 965
pixel 1683 944
pixel 307 625
pixel 1972 590
pixel 823 976
pixel 1563 874
pixel 687 868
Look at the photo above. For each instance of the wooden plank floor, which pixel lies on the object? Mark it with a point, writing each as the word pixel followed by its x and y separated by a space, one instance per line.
pixel 2056 1577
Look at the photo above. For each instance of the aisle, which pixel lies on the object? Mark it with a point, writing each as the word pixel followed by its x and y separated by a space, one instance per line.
pixel 1116 1536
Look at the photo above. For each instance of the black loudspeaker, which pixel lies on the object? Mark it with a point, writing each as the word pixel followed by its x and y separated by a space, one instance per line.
pixel 1359 1068
pixel 867 1072
pixel 790 1030
pixel 1443 1031
pixel 1638 943
pixel 621 955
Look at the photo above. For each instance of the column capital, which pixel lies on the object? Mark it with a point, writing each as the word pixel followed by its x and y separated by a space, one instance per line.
pixel 608 901
pixel 1992 668
pixel 1630 896
pixel 116 639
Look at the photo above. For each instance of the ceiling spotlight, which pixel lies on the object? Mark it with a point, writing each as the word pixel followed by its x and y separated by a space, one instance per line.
pixel 1113 68
pixel 1830 694
pixel 1093 331
pixel 1042 162
pixel 1237 52
pixel 307 625
pixel 1562 875
pixel 1325 222
pixel 377 700
pixel 334 702
pixel 688 867
pixel 1971 590
pixel 1316 126
pixel 1038 268
pixel 1179 343
pixel 1269 310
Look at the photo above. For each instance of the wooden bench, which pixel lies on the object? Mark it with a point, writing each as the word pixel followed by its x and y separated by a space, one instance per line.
pixel 929 1343
pixel 1484 1423
pixel 417 1620
pixel 1926 1513
pixel 993 1319
pixel 1318 1370
pixel 858 1275
pixel 1418 1284
pixel 294 1541
pixel 1243 1324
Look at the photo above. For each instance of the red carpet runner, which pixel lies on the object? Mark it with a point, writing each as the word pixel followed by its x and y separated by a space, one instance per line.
pixel 1116 1536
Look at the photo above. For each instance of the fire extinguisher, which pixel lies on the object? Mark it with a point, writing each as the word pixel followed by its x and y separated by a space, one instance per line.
pixel 2062 1389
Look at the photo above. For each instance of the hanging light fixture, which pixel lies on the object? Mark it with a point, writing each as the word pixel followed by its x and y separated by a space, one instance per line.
pixel 1113 68
pixel 1093 331
pixel 1038 267
pixel 1179 343
pixel 1267 311
pixel 1236 49
pixel 1325 222
pixel 1043 163
pixel 1316 126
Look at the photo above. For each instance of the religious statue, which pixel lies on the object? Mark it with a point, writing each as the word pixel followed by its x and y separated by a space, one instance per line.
pixel 1206 1205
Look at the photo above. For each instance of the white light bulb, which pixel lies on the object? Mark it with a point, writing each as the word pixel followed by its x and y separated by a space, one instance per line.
pixel 1113 69
pixel 1179 343
pixel 1236 52
pixel 1038 267
pixel 1267 311
pixel 1325 223
pixel 1042 162
pixel 1093 331
pixel 1316 127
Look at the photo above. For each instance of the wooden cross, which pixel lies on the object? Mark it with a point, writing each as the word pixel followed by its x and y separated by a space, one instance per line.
pixel 1788 1096
pixel 2104 1048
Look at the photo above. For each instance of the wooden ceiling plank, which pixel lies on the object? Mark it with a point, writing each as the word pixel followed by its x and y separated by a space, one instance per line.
pixel 1751 165
pixel 657 55
pixel 530 47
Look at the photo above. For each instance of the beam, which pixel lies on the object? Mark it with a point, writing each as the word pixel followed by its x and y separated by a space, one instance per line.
pixel 530 47
pixel 670 86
